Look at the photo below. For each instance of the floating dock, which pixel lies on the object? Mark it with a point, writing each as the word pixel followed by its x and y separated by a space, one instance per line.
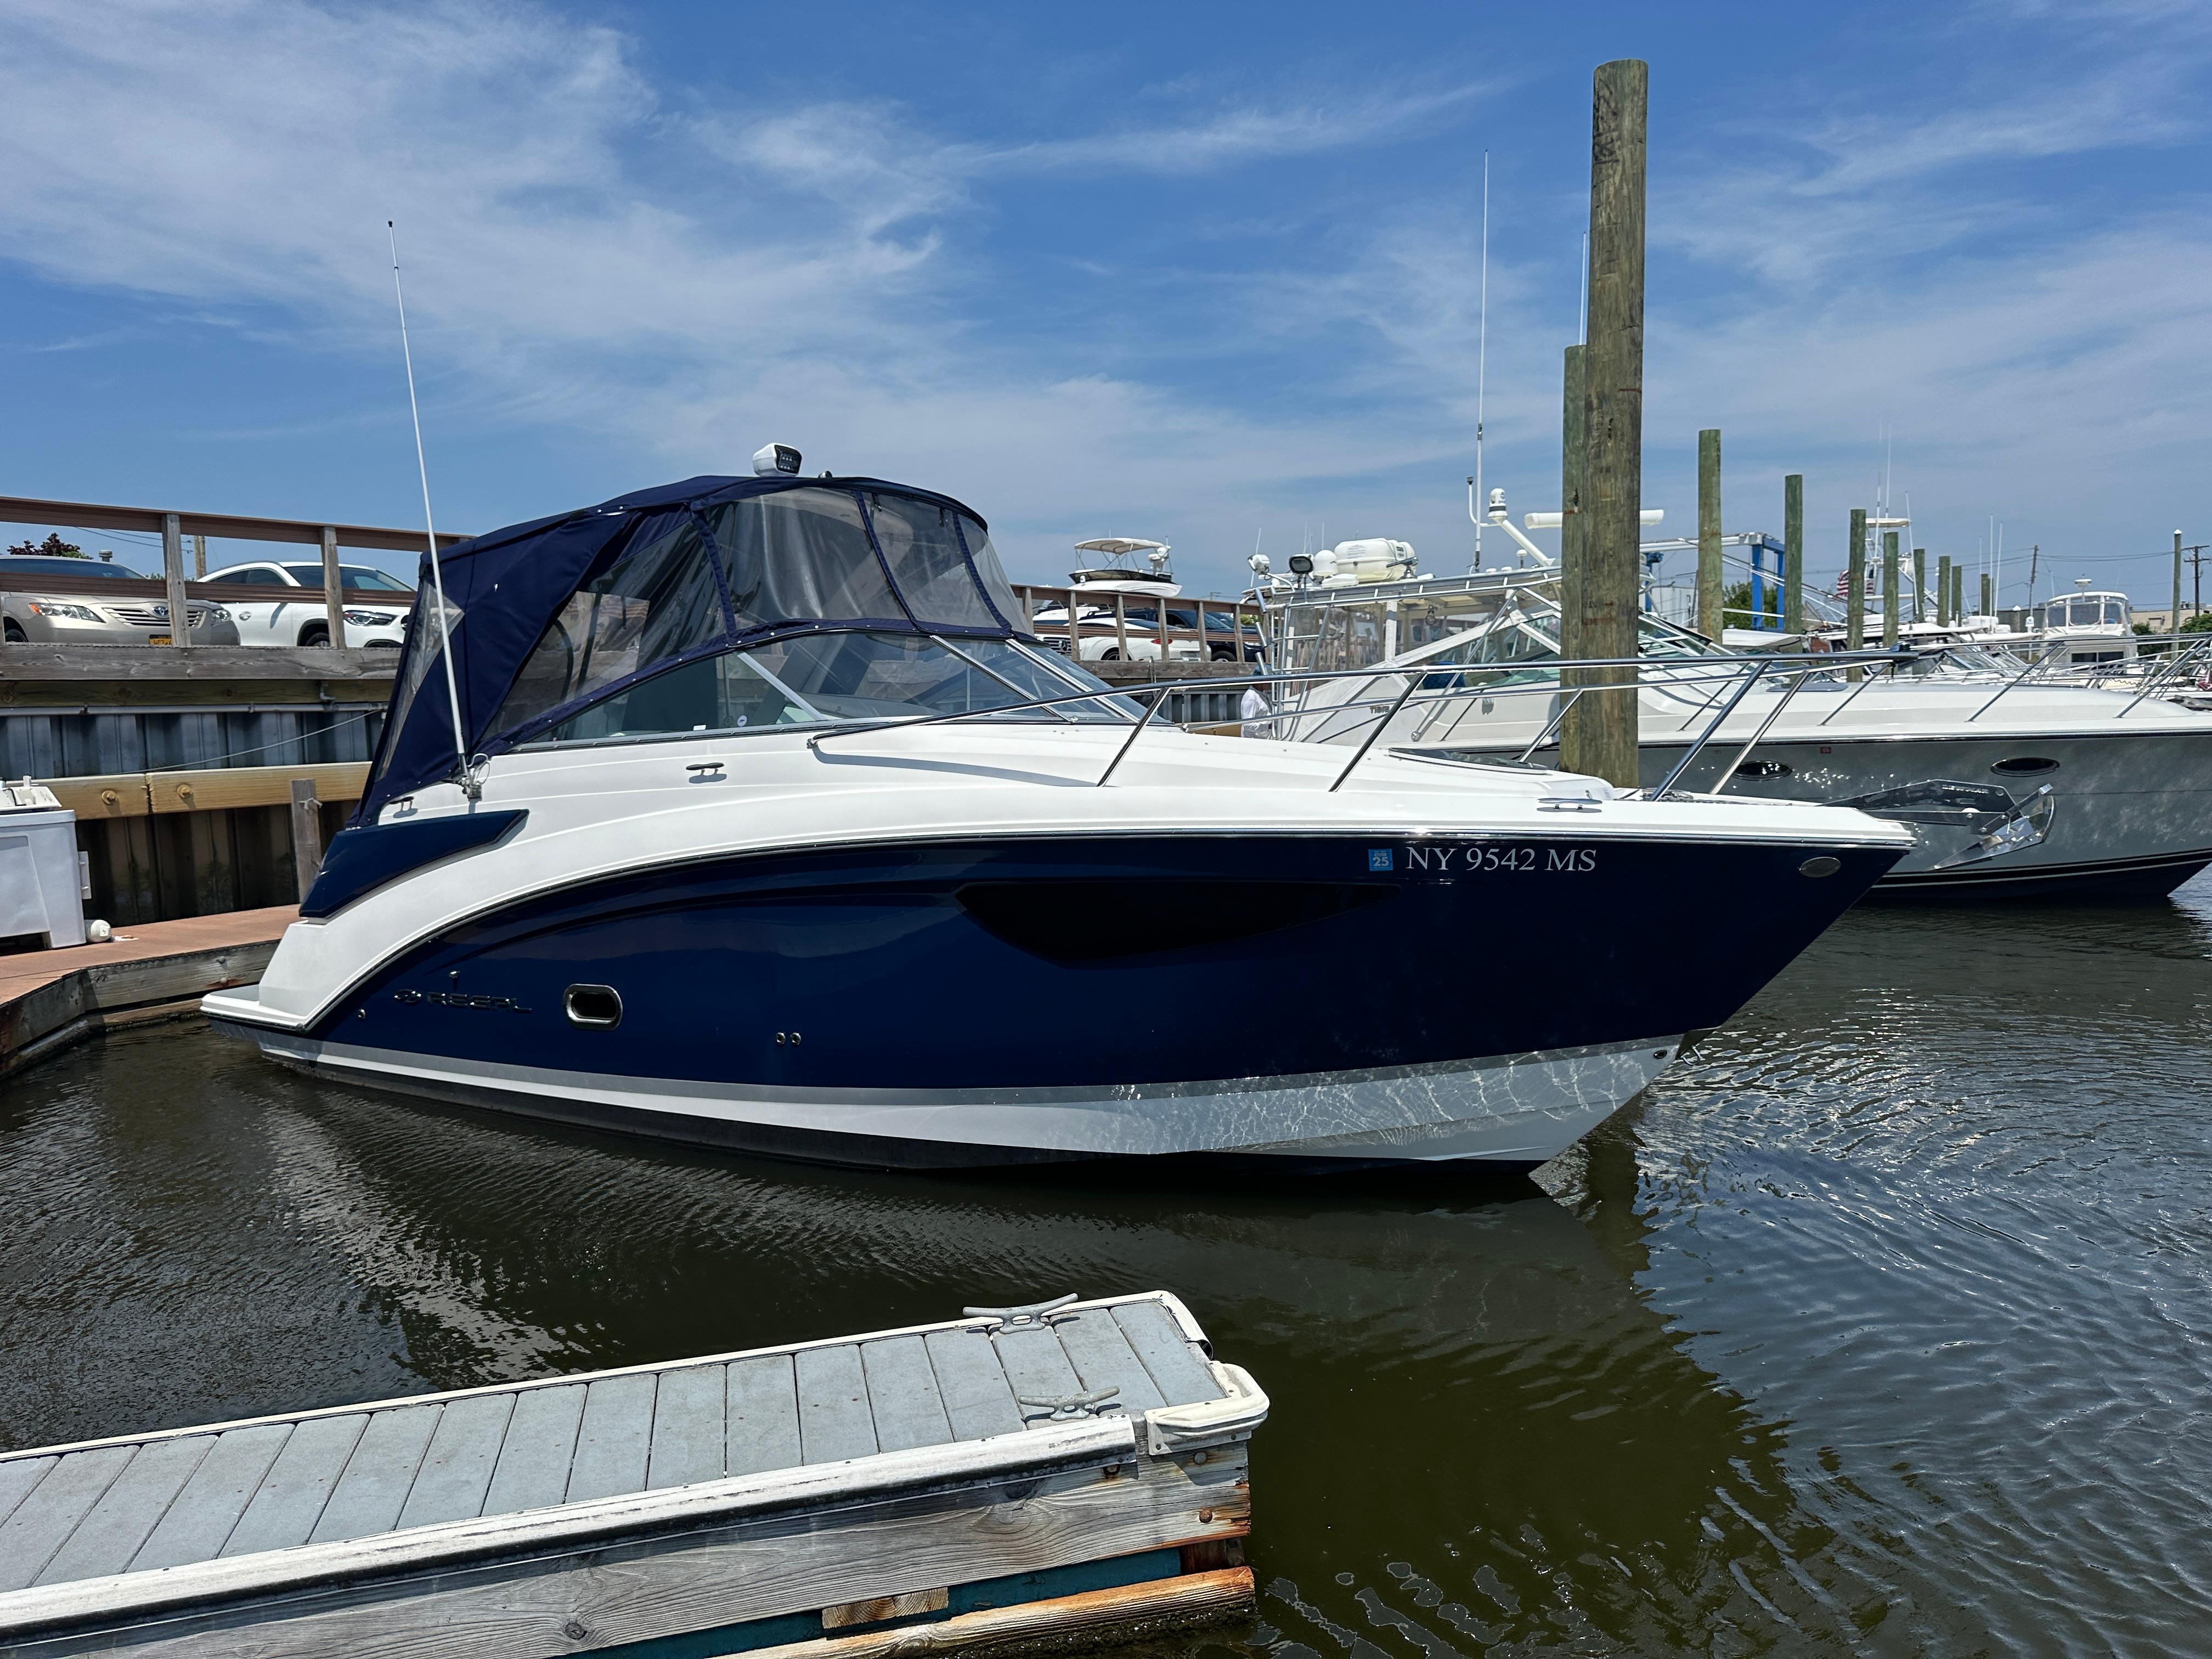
pixel 160 970
pixel 1031 1477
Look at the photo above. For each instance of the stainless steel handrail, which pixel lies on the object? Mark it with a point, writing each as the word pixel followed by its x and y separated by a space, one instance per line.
pixel 1755 668
pixel 1765 726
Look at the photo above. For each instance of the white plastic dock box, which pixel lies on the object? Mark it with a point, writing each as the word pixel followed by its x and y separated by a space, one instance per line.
pixel 1067 1470
pixel 40 885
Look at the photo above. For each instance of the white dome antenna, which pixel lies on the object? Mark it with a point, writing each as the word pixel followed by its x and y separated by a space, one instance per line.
pixel 772 458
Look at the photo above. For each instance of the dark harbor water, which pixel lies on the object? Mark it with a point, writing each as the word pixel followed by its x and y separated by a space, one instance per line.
pixel 1882 1326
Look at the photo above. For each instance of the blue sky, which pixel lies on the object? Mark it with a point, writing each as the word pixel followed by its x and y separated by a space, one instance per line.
pixel 1190 272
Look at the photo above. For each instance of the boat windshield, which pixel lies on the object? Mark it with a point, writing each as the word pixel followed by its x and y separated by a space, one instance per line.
pixel 821 679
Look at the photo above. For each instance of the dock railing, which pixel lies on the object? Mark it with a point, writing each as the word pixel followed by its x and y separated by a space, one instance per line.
pixel 177 588
pixel 1223 630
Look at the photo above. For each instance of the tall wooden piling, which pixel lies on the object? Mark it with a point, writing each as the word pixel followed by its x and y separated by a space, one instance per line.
pixel 1712 622
pixel 1943 591
pixel 1573 456
pixel 1889 593
pixel 2173 623
pixel 1988 596
pixel 1793 553
pixel 1919 584
pixel 1606 736
pixel 1855 600
pixel 1958 592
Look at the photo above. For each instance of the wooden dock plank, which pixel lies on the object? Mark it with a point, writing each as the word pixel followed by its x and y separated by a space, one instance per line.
pixel 17 1476
pixel 688 1431
pixel 1035 1366
pixel 208 1509
pixel 972 1383
pixel 833 1420
pixel 50 1510
pixel 128 1511
pixel 902 1395
pixel 764 1416
pixel 1102 1358
pixel 370 1492
pixel 541 1444
pixel 456 1473
pixel 298 1485
pixel 1181 1374
pixel 616 1434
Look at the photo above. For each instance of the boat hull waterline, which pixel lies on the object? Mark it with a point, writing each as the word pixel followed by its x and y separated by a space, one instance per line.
pixel 981 1001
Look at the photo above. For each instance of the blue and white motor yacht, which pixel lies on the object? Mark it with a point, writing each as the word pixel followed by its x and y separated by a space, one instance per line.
pixel 776 832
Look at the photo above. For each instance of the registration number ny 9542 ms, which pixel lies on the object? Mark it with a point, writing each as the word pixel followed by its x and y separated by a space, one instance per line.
pixel 1473 859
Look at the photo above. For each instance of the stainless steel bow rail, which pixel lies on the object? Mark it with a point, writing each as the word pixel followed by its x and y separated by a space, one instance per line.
pixel 1742 672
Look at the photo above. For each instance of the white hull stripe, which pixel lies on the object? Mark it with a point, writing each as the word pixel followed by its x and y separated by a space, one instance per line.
pixel 1521 1108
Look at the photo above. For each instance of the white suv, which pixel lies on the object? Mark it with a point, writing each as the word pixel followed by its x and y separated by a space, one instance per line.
pixel 267 614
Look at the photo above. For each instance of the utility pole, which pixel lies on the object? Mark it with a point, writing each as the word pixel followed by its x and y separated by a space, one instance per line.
pixel 1613 364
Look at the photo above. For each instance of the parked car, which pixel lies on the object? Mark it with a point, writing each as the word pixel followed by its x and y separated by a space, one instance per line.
pixel 267 614
pixel 35 618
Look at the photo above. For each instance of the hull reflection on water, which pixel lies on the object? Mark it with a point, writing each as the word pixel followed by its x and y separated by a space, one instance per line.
pixel 1476 1392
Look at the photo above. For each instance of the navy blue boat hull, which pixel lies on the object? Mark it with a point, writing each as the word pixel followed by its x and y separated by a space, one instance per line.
pixel 1019 969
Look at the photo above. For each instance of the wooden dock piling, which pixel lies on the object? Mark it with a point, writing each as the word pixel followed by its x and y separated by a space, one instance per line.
pixel 1943 591
pixel 1855 601
pixel 1989 597
pixel 1959 591
pixel 1793 553
pixel 2173 617
pixel 1574 525
pixel 1712 620
pixel 1919 584
pixel 1604 737
pixel 1889 591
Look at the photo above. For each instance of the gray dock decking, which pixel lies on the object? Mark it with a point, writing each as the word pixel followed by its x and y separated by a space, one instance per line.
pixel 138 1504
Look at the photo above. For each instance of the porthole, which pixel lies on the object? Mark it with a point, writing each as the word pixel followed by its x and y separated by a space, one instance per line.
pixel 2025 766
pixel 1819 866
pixel 1765 769
pixel 599 1006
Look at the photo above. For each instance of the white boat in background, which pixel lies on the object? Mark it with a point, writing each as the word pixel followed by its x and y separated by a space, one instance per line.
pixel 775 833
pixel 2016 787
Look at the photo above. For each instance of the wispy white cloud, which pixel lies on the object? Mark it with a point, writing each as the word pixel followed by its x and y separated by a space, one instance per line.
pixel 590 250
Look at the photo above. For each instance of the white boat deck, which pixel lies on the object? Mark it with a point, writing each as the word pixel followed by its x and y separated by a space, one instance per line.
pixel 143 1503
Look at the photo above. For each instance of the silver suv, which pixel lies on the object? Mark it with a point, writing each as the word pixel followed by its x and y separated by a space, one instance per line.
pixel 35 618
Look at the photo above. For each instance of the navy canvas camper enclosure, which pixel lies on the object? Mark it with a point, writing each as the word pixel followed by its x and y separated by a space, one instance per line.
pixel 550 616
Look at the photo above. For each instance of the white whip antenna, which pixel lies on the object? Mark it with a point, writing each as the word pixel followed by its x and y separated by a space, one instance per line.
pixel 1481 361
pixel 429 531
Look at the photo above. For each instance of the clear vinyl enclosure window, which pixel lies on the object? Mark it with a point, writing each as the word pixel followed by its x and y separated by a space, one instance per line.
pixel 813 678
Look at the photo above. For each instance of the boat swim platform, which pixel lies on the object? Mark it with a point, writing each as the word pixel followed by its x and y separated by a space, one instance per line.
pixel 1040 1477
pixel 152 971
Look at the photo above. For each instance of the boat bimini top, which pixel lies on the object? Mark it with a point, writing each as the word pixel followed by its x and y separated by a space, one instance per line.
pixel 549 618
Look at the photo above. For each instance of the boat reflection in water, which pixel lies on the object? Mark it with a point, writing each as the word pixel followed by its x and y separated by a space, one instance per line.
pixel 1471 1389
pixel 778 835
